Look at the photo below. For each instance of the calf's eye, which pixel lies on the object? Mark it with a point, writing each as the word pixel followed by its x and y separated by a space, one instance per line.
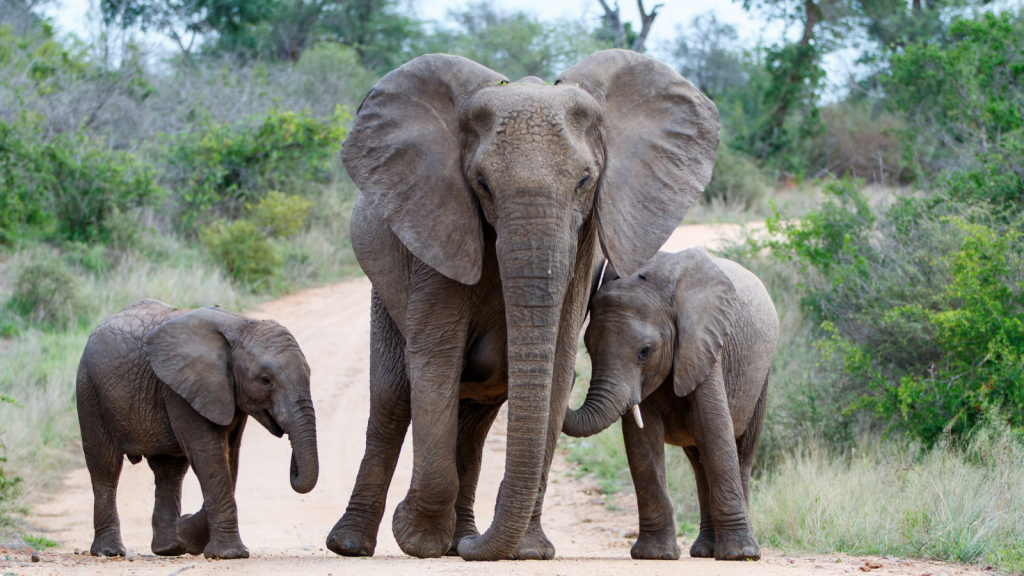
pixel 643 353
pixel 265 379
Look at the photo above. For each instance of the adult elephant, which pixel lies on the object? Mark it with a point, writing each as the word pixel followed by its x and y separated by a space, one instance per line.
pixel 480 208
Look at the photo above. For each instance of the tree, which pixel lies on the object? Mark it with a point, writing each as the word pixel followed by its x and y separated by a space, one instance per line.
pixel 515 44
pixel 795 69
pixel 704 55
pixel 621 32
pixel 185 19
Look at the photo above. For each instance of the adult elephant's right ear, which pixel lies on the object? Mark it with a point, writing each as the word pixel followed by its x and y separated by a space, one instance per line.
pixel 660 137
pixel 191 355
pixel 404 154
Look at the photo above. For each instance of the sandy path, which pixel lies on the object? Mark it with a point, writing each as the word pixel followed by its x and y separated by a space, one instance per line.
pixel 285 531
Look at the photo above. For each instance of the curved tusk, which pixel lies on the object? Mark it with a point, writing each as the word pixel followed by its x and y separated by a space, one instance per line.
pixel 636 416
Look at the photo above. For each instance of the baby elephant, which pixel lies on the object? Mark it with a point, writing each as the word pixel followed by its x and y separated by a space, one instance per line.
pixel 686 344
pixel 176 386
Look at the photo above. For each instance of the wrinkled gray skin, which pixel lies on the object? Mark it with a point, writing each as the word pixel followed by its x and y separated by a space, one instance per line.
pixel 176 386
pixel 690 338
pixel 480 210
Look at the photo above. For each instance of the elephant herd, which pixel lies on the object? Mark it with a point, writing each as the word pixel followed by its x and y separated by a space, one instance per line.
pixel 493 217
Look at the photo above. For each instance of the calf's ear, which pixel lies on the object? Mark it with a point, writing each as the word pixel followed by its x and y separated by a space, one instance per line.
pixel 191 355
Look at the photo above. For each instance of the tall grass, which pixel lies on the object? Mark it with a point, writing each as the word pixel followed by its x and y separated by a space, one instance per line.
pixel 959 504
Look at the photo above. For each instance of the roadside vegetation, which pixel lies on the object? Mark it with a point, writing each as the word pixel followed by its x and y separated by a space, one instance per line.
pixel 208 173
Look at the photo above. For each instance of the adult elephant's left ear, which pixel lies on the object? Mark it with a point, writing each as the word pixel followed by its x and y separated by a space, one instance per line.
pixel 661 135
pixel 404 153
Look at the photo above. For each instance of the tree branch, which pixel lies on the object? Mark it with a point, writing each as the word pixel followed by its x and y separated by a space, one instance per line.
pixel 648 21
pixel 614 22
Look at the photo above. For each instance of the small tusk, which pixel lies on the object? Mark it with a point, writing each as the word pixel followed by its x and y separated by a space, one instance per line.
pixel 636 416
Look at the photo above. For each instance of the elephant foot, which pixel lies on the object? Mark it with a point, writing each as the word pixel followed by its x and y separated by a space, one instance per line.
pixel 422 536
pixel 703 546
pixel 659 545
pixel 350 538
pixel 460 533
pixel 193 533
pixel 107 545
pixel 228 549
pixel 534 545
pixel 165 546
pixel 737 546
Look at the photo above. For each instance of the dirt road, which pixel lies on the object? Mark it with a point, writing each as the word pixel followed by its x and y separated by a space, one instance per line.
pixel 285 531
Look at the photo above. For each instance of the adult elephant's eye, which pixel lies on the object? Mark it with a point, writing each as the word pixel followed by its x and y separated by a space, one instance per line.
pixel 483 185
pixel 583 180
pixel 643 353
pixel 266 380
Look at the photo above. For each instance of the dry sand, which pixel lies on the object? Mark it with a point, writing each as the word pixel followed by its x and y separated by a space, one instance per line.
pixel 285 531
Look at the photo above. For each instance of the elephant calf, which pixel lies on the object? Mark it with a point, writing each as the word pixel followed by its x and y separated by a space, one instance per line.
pixel 176 386
pixel 686 344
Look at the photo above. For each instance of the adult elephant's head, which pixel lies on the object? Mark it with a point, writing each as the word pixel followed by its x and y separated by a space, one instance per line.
pixel 442 146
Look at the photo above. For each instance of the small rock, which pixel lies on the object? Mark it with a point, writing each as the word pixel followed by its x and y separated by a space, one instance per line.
pixel 77 551
pixel 818 566
pixel 131 558
pixel 34 557
pixel 26 565
pixel 874 565
pixel 989 568
pixel 631 534
pixel 865 569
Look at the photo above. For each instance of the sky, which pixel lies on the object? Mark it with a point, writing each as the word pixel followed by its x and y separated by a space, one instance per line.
pixel 79 16
pixel 74 15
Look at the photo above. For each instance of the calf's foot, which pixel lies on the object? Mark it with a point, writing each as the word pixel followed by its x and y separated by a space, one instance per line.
pixel 737 546
pixel 107 544
pixel 660 545
pixel 704 545
pixel 534 545
pixel 193 533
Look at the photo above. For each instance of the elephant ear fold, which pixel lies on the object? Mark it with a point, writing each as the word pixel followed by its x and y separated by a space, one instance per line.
pixel 404 153
pixel 660 137
pixel 191 355
pixel 706 304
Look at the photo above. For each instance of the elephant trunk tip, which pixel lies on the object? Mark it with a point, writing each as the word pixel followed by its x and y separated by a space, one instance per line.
pixel 306 480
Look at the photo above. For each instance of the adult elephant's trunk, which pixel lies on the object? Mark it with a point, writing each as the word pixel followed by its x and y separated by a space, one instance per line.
pixel 605 402
pixel 535 255
pixel 302 433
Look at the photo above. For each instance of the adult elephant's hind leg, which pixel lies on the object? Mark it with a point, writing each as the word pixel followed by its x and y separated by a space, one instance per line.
pixel 168 472
pixel 355 534
pixel 475 421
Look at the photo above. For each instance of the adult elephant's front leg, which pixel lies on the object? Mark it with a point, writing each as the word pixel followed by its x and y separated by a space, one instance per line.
pixel 424 523
pixel 716 441
pixel 475 421
pixel 355 534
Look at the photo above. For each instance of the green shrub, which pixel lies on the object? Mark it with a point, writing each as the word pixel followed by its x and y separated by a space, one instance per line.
pixel 222 168
pixel 247 247
pixel 919 305
pixel 70 187
pixel 735 181
pixel 9 487
pixel 46 293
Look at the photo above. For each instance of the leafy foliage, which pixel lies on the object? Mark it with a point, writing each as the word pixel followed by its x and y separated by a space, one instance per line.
pixel 220 168
pixel 70 187
pixel 920 306
pixel 246 247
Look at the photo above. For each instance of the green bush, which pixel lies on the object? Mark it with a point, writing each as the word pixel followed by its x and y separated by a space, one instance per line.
pixel 67 188
pixel 9 487
pixel 247 247
pixel 46 293
pixel 923 322
pixel 223 168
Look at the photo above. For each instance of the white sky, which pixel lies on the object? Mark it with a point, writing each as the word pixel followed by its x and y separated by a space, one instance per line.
pixel 79 17
pixel 76 15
